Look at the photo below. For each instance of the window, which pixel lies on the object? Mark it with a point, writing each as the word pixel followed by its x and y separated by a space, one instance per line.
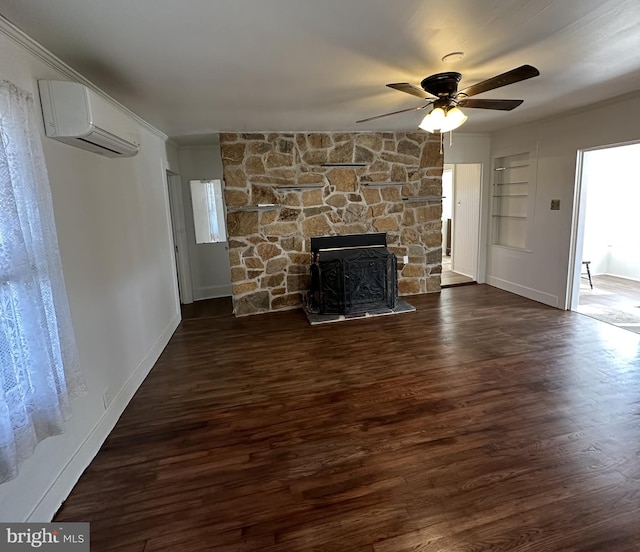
pixel 208 211
pixel 38 358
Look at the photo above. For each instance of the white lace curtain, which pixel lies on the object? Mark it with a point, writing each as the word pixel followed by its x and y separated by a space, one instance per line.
pixel 38 358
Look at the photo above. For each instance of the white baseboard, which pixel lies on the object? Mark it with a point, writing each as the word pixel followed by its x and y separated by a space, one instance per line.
pixel 60 489
pixel 529 293
pixel 212 292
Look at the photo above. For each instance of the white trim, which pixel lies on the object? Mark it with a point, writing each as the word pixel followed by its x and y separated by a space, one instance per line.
pixel 574 266
pixel 37 50
pixel 578 225
pixel 212 292
pixel 167 174
pixel 60 489
pixel 529 293
pixel 173 143
pixel 179 237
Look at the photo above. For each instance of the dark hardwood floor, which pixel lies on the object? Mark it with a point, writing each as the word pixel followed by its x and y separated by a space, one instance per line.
pixel 480 422
pixel 211 308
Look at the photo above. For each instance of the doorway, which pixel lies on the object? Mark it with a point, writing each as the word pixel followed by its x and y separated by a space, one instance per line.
pixel 461 185
pixel 180 243
pixel 605 281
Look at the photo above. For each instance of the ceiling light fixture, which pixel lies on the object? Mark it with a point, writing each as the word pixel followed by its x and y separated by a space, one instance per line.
pixel 444 121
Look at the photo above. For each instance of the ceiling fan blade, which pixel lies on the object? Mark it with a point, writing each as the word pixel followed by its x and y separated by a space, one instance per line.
pixel 394 113
pixel 502 105
pixel 410 89
pixel 518 74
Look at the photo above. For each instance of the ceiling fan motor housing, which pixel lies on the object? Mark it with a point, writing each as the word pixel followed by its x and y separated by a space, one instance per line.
pixel 442 85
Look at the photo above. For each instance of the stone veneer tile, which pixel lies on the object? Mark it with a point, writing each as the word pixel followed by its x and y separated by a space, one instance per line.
pixel 269 250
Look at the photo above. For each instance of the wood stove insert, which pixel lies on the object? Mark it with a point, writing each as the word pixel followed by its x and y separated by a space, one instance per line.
pixel 352 274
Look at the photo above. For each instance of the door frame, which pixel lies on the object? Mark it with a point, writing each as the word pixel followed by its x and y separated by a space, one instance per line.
pixel 577 235
pixel 478 206
pixel 578 223
pixel 179 233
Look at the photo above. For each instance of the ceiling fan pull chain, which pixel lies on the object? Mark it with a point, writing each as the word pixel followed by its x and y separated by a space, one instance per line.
pixel 441 143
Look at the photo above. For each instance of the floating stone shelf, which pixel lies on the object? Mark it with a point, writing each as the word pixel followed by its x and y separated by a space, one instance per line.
pixel 420 199
pixel 288 187
pixel 262 207
pixel 381 184
pixel 344 164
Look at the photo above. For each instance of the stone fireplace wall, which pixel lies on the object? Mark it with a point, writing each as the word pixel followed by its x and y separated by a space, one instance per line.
pixel 281 189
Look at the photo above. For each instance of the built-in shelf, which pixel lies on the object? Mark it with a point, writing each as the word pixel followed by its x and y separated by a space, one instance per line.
pixel 420 199
pixel 511 200
pixel 259 207
pixel 381 184
pixel 343 164
pixel 511 167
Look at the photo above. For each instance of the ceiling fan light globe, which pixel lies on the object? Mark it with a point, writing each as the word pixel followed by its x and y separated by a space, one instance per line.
pixel 433 121
pixel 427 125
pixel 437 116
pixel 454 119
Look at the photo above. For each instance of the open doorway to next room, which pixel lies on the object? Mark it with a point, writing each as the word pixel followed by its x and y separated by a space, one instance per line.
pixel 608 287
pixel 461 185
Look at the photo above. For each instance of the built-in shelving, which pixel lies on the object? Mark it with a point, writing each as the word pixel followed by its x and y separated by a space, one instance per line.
pixel 511 167
pixel 511 181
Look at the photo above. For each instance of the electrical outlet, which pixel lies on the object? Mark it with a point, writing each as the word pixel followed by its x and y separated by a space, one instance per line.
pixel 106 398
pixel 405 259
pixel 555 204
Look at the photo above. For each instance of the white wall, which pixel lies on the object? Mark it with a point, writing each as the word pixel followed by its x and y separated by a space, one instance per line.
pixel 210 270
pixel 541 273
pixel 112 221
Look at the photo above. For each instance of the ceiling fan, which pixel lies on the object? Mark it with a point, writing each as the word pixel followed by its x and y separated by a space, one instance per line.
pixel 442 92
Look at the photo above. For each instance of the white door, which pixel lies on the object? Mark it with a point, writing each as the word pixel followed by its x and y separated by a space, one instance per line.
pixel 467 181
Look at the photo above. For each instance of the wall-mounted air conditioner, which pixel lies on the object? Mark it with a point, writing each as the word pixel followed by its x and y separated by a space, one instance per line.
pixel 76 115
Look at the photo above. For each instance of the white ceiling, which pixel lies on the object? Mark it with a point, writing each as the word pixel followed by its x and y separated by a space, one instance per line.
pixel 202 66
